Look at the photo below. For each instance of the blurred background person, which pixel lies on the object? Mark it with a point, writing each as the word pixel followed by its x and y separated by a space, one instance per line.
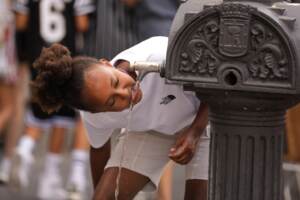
pixel 77 182
pixel 153 17
pixel 46 22
pixel 112 29
pixel 9 103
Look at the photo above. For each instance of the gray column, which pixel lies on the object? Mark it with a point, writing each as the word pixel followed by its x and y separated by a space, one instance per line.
pixel 246 155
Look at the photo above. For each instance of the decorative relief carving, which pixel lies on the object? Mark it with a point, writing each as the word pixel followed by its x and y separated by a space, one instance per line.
pixel 269 63
pixel 235 32
pixel 234 29
pixel 198 58
pixel 199 55
pixel 269 60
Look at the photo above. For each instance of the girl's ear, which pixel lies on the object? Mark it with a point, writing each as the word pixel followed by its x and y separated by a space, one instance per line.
pixel 105 61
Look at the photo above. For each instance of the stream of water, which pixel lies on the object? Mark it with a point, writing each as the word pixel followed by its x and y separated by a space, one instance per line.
pixel 124 148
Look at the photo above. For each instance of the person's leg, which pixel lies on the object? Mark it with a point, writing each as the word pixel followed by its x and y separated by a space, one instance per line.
pixel 36 121
pixel 6 104
pixel 16 124
pixel 60 125
pixel 143 157
pixel 56 140
pixel 80 140
pixel 24 154
pixel 35 124
pixel 129 185
pixel 6 109
pixel 165 185
pixel 98 160
pixel 61 121
pixel 28 140
pixel 50 181
pixel 197 172
pixel 79 159
pixel 196 189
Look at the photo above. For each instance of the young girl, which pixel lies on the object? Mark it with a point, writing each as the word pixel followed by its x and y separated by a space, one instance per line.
pixel 166 122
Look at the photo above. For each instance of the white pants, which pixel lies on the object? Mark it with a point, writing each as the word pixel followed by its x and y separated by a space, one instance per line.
pixel 147 153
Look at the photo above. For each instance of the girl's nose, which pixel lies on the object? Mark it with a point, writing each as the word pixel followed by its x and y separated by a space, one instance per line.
pixel 123 93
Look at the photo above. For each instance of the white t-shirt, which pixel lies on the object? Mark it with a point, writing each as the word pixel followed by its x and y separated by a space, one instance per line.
pixel 164 108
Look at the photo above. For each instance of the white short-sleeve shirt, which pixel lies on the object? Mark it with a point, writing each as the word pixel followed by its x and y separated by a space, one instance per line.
pixel 164 108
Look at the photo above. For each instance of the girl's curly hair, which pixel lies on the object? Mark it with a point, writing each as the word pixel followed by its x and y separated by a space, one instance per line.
pixel 59 79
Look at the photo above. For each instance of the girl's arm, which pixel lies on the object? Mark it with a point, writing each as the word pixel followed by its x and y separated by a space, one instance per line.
pixel 82 23
pixel 186 143
pixel 98 160
pixel 21 21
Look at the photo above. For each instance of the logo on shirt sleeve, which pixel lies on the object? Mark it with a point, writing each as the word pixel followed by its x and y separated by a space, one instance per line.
pixel 167 99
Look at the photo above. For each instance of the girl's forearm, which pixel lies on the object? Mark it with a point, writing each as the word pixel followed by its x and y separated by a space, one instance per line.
pixel 98 160
pixel 201 119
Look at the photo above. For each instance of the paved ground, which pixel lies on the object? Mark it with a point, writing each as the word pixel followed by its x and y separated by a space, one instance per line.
pixel 291 174
pixel 12 192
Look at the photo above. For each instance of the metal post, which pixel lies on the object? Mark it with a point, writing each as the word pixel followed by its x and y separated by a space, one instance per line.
pixel 246 155
pixel 242 58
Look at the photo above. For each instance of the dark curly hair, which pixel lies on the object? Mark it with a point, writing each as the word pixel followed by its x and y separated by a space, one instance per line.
pixel 59 79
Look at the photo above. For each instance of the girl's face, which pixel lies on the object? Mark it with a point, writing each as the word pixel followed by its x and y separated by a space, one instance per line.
pixel 108 89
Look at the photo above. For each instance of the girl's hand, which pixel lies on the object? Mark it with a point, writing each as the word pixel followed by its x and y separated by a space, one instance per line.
pixel 186 143
pixel 185 146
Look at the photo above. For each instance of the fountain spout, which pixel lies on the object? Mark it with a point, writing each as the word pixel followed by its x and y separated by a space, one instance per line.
pixel 144 68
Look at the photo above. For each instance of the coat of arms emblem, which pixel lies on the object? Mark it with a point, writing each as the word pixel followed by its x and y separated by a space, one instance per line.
pixel 234 30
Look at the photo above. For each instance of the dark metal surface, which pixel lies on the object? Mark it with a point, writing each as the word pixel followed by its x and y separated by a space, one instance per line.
pixel 242 58
pixel 234 46
pixel 246 155
pixel 269 2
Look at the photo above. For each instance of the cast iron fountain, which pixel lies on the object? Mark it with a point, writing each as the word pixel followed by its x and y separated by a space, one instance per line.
pixel 242 58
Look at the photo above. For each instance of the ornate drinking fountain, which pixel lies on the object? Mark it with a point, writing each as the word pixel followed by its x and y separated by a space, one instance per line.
pixel 242 58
